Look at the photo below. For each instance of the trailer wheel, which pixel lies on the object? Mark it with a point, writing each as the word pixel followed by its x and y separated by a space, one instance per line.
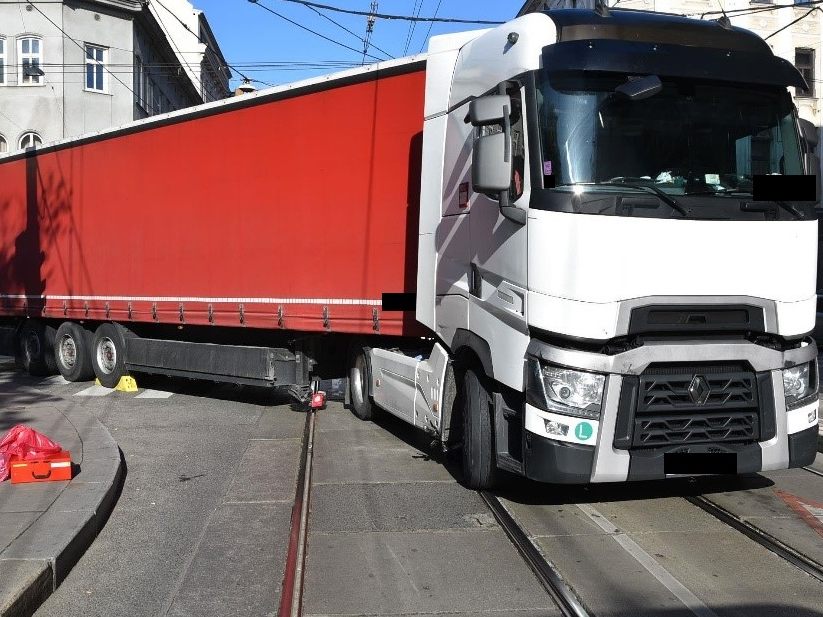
pixel 479 467
pixel 35 345
pixel 108 355
pixel 361 404
pixel 72 352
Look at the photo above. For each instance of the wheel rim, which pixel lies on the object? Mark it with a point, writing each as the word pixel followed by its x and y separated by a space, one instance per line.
pixel 106 355
pixel 357 390
pixel 67 351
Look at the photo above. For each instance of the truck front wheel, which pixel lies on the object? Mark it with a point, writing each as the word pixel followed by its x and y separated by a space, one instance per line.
pixel 72 350
pixel 479 467
pixel 361 404
pixel 108 355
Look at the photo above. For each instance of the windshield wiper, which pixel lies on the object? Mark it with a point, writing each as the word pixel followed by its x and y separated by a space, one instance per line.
pixel 785 206
pixel 665 197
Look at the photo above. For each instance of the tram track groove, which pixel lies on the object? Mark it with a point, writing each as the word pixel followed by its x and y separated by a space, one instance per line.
pixel 548 576
pixel 814 471
pixel 764 539
pixel 291 597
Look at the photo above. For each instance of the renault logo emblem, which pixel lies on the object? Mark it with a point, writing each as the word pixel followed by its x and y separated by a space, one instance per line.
pixel 699 390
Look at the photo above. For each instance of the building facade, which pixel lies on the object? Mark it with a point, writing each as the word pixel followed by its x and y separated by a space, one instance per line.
pixel 80 66
pixel 792 28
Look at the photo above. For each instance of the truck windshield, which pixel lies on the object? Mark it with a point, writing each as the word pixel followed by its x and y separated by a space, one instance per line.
pixel 691 137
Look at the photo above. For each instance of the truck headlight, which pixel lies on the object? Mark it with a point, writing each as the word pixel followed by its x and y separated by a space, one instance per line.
pixel 565 391
pixel 800 384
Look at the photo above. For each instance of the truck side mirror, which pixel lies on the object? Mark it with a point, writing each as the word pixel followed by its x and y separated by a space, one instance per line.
pixel 489 110
pixel 492 164
pixel 492 160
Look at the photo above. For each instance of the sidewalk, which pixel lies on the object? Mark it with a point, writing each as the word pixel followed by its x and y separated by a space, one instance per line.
pixel 46 527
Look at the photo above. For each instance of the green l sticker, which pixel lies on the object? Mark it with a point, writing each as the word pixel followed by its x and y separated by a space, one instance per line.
pixel 583 431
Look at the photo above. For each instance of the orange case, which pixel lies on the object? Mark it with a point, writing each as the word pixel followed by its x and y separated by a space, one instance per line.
pixel 51 468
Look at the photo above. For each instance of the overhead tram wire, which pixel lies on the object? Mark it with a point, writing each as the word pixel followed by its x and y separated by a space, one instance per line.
pixel 65 34
pixel 445 20
pixel 418 6
pixel 431 23
pixel 791 23
pixel 370 21
pixel 754 11
pixel 366 41
pixel 197 36
pixel 177 49
pixel 302 27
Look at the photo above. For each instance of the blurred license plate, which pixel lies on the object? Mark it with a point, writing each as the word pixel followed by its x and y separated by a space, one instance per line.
pixel 687 463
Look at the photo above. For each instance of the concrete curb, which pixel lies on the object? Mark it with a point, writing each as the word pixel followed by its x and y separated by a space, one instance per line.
pixel 38 560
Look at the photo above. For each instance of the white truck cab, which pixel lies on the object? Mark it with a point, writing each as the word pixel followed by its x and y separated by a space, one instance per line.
pixel 611 299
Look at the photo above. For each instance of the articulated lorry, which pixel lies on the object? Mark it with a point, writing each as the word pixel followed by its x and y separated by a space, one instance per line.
pixel 540 243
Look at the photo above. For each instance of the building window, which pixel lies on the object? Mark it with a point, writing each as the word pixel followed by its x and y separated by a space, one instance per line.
pixel 29 140
pixel 2 64
pixel 4 145
pixel 804 61
pixel 30 59
pixel 95 68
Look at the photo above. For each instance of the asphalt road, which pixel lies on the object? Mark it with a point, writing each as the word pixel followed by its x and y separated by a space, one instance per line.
pixel 201 526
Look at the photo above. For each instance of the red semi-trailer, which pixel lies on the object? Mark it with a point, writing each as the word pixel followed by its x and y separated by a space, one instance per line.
pixel 293 209
pixel 506 242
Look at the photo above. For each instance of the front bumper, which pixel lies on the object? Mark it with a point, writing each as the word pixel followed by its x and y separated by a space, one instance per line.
pixel 792 444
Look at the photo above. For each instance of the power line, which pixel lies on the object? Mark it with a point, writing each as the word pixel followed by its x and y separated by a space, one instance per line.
pixel 418 6
pixel 791 23
pixel 338 9
pixel 366 42
pixel 301 26
pixel 179 53
pixel 753 11
pixel 431 23
pixel 369 31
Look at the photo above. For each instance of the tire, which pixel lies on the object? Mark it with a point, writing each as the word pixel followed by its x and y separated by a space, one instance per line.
pixel 72 352
pixel 108 355
pixel 361 404
pixel 35 348
pixel 479 465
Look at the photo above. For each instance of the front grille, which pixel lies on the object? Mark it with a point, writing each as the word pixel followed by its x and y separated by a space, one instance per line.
pixel 667 389
pixel 691 404
pixel 708 428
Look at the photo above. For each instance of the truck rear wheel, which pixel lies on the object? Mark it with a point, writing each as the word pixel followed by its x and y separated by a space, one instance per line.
pixel 108 355
pixel 36 348
pixel 361 404
pixel 72 351
pixel 479 466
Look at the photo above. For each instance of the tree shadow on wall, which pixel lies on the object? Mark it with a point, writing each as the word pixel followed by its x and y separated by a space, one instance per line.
pixel 45 216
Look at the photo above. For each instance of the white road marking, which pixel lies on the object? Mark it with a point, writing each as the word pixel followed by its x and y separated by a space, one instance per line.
pixel 691 601
pixel 814 511
pixel 154 394
pixel 95 390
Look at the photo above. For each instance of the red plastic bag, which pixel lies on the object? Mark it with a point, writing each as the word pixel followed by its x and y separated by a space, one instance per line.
pixel 26 443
